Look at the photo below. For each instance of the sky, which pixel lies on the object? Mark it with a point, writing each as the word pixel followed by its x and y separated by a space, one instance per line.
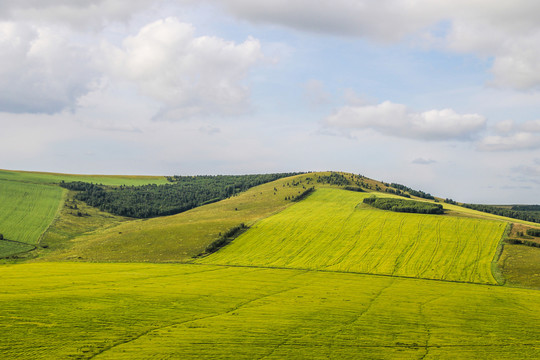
pixel 440 96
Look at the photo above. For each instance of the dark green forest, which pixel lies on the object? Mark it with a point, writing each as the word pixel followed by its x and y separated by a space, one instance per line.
pixel 182 194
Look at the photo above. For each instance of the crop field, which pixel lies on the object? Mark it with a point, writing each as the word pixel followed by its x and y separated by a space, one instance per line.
pixel 328 231
pixel 54 178
pixel 172 311
pixel 27 210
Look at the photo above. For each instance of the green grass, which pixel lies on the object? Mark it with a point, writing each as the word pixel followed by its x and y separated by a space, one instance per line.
pixel 27 209
pixel 329 231
pixel 181 236
pixel 54 178
pixel 520 265
pixel 10 248
pixel 173 311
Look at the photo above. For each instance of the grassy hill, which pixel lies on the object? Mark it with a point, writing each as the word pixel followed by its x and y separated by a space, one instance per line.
pixel 333 230
pixel 180 237
pixel 32 200
pixel 324 277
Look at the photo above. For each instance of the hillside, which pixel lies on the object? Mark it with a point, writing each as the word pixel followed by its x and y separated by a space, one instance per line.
pixel 333 230
pixel 316 274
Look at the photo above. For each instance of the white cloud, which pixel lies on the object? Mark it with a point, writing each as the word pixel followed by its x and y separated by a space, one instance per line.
pixel 79 14
pixel 397 120
pixel 507 31
pixel 41 69
pixel 524 136
pixel 189 75
pixel 517 141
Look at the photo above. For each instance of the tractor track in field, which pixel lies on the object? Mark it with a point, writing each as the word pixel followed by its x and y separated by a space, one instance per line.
pixel 175 324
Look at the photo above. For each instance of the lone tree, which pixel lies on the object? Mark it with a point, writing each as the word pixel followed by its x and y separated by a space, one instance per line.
pixel 1 237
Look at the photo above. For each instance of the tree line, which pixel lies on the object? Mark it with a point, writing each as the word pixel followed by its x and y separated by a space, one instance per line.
pixel 527 215
pixel 182 194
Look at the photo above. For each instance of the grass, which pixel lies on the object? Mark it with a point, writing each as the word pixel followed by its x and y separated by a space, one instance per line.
pixel 11 248
pixel 54 178
pixel 520 265
pixel 180 237
pixel 330 231
pixel 173 311
pixel 27 210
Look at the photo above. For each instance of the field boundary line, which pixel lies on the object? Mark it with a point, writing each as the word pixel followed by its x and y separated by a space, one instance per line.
pixel 337 272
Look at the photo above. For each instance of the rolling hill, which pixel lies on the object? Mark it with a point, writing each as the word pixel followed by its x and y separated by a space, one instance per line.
pixel 317 274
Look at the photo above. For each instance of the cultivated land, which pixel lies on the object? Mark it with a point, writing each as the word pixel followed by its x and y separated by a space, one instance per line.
pixel 54 178
pixel 138 311
pixel 333 230
pixel 293 286
pixel 27 210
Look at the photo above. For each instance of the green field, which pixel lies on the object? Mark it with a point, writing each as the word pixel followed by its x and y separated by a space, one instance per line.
pixel 138 311
pixel 54 178
pixel 27 210
pixel 330 230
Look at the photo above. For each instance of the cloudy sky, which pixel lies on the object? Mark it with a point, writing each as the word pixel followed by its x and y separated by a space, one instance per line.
pixel 441 96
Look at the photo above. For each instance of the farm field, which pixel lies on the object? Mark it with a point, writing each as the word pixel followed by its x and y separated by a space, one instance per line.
pixel 54 178
pixel 170 311
pixel 328 231
pixel 27 211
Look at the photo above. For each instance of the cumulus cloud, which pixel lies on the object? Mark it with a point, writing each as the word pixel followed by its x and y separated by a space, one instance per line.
pixel 397 120
pixel 189 75
pixel 524 136
pixel 507 31
pixel 41 70
pixel 80 14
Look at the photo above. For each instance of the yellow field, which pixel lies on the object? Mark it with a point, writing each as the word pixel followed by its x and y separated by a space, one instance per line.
pixel 173 311
pixel 329 231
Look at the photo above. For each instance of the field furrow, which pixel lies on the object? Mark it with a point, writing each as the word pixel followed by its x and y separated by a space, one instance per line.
pixel 27 209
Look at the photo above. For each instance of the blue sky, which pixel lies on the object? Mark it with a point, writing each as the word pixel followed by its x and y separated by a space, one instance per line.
pixel 441 96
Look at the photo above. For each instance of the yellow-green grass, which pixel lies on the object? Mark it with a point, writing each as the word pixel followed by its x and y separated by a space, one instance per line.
pixel 74 219
pixel 180 237
pixel 175 311
pixel 520 265
pixel 330 230
pixel 54 178
pixel 27 209
pixel 10 248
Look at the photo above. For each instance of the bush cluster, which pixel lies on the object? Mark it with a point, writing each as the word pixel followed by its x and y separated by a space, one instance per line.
pixel 408 206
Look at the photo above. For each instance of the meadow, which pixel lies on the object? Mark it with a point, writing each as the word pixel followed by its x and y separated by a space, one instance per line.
pixel 172 311
pixel 55 178
pixel 177 237
pixel 333 230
